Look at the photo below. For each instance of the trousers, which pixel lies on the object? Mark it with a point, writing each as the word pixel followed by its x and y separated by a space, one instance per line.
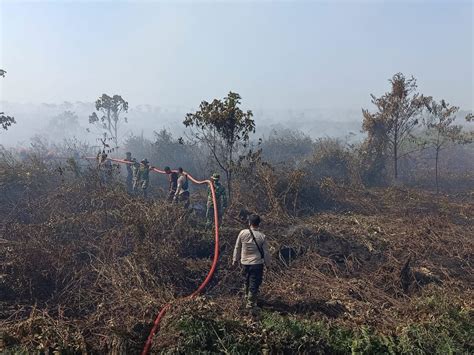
pixel 253 275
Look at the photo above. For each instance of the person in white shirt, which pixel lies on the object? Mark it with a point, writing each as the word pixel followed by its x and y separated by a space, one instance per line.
pixel 251 249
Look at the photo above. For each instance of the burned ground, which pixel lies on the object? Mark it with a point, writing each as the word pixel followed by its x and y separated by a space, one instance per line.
pixel 85 268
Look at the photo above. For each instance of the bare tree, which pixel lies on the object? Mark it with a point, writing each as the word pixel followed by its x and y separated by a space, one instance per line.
pixel 440 130
pixel 397 112
pixel 111 109
pixel 223 127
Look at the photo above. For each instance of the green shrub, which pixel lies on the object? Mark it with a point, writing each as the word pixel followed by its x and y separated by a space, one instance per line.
pixel 449 333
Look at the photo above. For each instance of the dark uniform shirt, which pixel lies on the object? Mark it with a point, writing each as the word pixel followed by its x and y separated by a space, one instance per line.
pixel 173 180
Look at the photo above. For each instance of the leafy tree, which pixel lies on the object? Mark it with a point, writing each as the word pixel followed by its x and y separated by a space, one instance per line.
pixel 67 121
pixel 5 121
pixel 397 113
pixel 224 128
pixel 175 152
pixel 111 108
pixel 440 130
pixel 374 150
pixel 286 146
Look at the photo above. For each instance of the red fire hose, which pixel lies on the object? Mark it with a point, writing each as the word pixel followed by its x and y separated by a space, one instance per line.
pixel 156 323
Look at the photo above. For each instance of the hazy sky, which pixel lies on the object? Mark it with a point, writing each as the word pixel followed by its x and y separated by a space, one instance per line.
pixel 275 54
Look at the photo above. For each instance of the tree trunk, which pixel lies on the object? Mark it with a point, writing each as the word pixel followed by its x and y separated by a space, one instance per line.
pixel 109 123
pixel 116 134
pixel 395 153
pixel 436 170
pixel 395 161
pixel 438 147
pixel 229 172
pixel 229 185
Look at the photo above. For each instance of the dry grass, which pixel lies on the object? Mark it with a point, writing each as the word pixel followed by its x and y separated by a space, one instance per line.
pixel 84 267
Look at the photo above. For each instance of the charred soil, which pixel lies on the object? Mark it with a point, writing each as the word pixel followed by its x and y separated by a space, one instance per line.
pixel 84 268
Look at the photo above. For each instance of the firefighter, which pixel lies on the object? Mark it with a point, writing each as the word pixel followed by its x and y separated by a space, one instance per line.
pixel 145 176
pixel 173 183
pixel 128 158
pixel 135 166
pixel 104 166
pixel 221 200
pixel 182 189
